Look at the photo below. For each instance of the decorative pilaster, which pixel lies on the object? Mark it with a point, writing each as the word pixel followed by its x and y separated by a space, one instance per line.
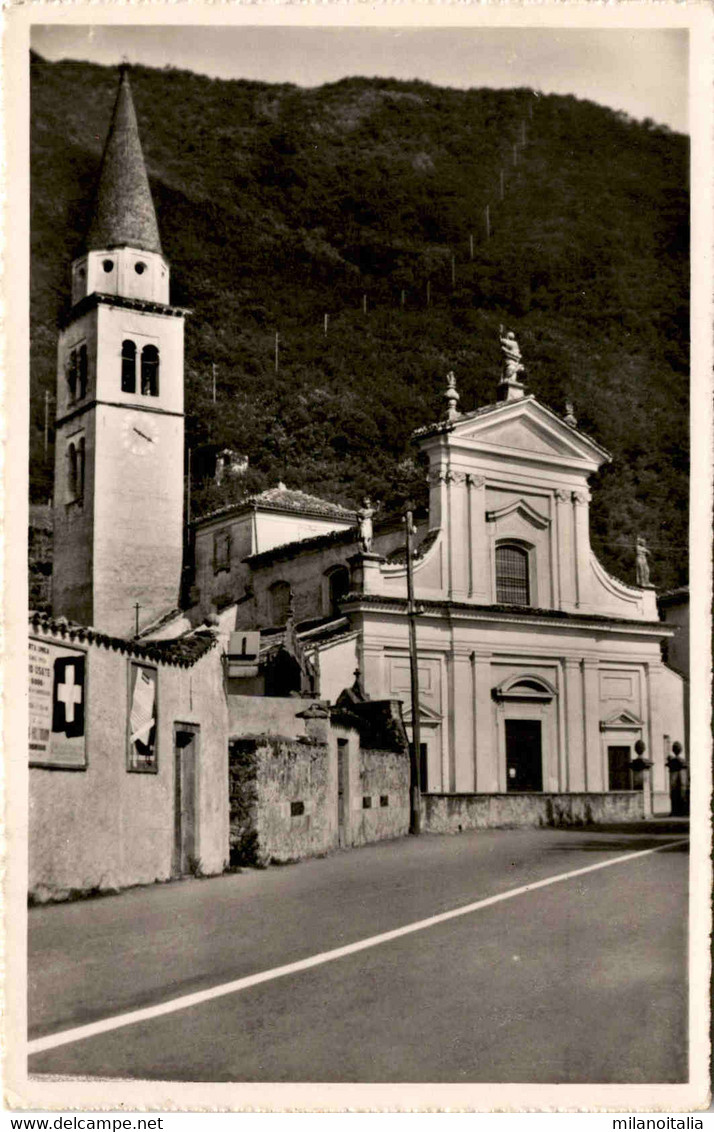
pixel 655 740
pixel 595 777
pixel 581 548
pixel 462 710
pixel 486 754
pixel 478 548
pixel 574 736
pixel 564 535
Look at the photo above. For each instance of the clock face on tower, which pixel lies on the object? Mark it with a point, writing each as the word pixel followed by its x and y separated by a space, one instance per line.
pixel 139 435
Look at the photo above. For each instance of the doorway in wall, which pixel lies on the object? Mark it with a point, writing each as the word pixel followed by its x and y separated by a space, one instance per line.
pixel 185 858
pixel 621 776
pixel 524 755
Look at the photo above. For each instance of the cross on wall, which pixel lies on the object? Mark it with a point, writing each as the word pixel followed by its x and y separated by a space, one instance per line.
pixel 69 693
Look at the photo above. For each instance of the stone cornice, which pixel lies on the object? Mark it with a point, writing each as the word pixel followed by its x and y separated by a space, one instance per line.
pixel 100 298
pixel 463 611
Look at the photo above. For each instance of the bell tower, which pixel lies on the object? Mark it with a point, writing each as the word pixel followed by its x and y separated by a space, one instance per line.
pixel 118 497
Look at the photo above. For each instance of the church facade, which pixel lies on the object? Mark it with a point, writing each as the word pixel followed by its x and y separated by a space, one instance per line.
pixel 543 695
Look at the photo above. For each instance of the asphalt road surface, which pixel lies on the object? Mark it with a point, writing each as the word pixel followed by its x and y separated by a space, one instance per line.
pixel 578 980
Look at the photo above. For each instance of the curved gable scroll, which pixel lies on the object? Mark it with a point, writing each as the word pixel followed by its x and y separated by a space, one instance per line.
pixel 525 687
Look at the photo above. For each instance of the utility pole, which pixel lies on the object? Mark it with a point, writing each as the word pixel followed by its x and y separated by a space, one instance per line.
pixel 326 322
pixel 213 370
pixel 137 607
pixel 415 792
pixel 188 493
pixel 471 245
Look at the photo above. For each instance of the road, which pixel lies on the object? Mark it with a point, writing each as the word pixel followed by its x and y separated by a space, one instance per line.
pixel 579 980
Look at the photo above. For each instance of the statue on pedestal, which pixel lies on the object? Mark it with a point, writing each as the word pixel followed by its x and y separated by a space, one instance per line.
pixel 366 529
pixel 642 565
pixel 512 364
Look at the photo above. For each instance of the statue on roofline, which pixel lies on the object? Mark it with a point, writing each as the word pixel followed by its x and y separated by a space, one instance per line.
pixel 642 565
pixel 366 529
pixel 512 364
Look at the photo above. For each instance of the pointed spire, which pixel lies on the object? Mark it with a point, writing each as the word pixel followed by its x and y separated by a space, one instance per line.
pixel 124 213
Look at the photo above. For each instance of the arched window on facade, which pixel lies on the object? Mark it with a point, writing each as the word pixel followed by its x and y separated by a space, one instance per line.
pixel 82 369
pixel 128 366
pixel 338 585
pixel 512 575
pixel 279 595
pixel 150 371
pixel 72 374
pixel 72 473
pixel 81 462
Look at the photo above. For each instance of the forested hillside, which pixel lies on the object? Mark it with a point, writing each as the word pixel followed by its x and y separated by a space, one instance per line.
pixel 363 201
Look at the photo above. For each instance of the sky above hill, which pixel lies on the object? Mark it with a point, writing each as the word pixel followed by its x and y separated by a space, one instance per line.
pixel 642 71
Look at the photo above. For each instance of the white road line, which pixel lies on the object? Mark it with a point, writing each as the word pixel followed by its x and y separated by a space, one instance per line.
pixel 105 1025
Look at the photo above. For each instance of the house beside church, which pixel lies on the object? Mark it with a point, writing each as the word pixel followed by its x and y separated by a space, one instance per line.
pixel 266 714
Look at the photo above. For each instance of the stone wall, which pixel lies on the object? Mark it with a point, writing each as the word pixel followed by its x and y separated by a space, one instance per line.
pixel 451 813
pixel 280 792
pixel 382 805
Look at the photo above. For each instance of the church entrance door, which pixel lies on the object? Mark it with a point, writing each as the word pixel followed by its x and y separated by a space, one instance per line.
pixel 524 755
pixel 185 751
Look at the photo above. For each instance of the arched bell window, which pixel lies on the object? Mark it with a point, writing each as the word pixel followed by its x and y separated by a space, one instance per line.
pixel 82 369
pixel 72 374
pixel 150 371
pixel 128 366
pixel 72 473
pixel 512 575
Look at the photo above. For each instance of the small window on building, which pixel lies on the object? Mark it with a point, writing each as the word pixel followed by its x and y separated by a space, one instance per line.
pixel 108 265
pixel 72 374
pixel 338 580
pixel 296 809
pixel 512 581
pixel 143 719
pixel 384 800
pixel 279 599
pixel 128 366
pixel 366 802
pixel 221 552
pixel 72 473
pixel 82 369
pixel 81 461
pixel 140 268
pixel 150 371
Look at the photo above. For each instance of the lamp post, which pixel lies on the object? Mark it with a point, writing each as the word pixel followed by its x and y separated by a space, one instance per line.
pixel 415 789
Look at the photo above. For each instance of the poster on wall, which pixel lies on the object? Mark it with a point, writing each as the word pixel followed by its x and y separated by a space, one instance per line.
pixel 142 718
pixel 57 682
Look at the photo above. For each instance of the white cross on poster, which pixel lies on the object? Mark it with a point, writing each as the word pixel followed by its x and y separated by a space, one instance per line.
pixel 57 684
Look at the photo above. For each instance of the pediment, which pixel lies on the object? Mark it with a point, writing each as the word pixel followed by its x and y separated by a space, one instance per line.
pixel 621 721
pixel 426 714
pixel 524 510
pixel 528 427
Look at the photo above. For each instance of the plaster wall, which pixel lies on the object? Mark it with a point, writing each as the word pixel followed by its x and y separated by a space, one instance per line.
pixel 107 827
